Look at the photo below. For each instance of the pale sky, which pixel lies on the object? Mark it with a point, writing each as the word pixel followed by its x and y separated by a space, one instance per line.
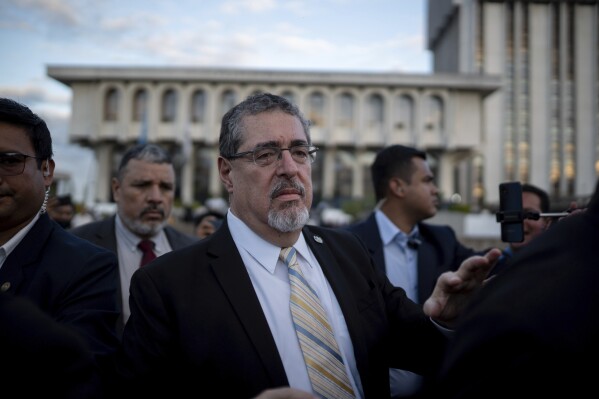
pixel 344 35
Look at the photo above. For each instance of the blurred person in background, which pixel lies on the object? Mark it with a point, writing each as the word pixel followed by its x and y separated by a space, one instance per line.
pixel 206 223
pixel 536 200
pixel 62 210
pixel 412 254
pixel 144 192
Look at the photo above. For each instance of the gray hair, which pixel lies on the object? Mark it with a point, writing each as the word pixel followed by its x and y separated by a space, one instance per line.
pixel 144 152
pixel 231 130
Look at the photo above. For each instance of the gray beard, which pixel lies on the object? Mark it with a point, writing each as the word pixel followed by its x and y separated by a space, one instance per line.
pixel 290 219
pixel 143 229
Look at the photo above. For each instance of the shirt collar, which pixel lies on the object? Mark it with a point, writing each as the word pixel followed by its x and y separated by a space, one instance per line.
pixel 11 244
pixel 390 232
pixel 263 252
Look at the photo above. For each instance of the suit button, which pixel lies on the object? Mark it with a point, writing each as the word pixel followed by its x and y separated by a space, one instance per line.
pixel 5 286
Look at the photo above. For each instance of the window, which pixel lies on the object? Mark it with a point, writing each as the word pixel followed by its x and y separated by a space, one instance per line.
pixel 376 112
pixel 140 103
pixel 436 114
pixel 198 106
pixel 405 113
pixel 169 106
pixel 316 109
pixel 346 110
pixel 228 101
pixel 111 105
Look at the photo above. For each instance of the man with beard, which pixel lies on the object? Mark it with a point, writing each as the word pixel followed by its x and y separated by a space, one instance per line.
pixel 144 190
pixel 226 314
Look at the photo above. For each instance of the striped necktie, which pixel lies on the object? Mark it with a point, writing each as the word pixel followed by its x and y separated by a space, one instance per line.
pixel 324 362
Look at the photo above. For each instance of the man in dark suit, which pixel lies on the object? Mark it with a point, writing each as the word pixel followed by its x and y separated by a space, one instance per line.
pixel 43 357
pixel 144 191
pixel 533 330
pixel 67 277
pixel 218 316
pixel 413 254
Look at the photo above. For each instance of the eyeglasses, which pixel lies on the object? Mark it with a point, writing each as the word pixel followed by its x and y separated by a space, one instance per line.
pixel 13 163
pixel 264 156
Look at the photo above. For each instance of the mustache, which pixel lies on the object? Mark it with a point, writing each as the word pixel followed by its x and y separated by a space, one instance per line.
pixel 286 185
pixel 152 209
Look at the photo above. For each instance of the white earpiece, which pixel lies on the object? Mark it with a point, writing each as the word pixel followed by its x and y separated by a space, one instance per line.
pixel 47 171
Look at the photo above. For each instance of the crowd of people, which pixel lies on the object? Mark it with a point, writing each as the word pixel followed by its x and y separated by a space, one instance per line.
pixel 260 303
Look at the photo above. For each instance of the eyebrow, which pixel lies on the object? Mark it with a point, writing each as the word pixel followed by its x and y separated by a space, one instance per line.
pixel 274 143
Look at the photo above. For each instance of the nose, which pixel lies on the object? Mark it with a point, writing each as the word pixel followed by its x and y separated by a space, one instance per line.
pixel 285 163
pixel 155 193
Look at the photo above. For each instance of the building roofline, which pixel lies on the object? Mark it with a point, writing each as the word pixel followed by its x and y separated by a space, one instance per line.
pixel 70 74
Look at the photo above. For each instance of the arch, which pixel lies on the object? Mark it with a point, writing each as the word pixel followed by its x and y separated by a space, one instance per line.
pixel 376 110
pixel 168 106
pixel 404 112
pixel 140 104
pixel 111 104
pixel 316 107
pixel 228 99
pixel 198 106
pixel 346 104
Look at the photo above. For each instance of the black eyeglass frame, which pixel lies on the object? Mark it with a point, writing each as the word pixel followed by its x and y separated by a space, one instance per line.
pixel 311 150
pixel 22 160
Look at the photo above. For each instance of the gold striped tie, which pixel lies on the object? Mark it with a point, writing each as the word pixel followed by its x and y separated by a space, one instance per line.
pixel 324 362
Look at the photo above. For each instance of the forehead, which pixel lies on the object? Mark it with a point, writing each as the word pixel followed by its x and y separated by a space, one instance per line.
pixel 143 170
pixel 530 200
pixel 421 165
pixel 272 126
pixel 14 138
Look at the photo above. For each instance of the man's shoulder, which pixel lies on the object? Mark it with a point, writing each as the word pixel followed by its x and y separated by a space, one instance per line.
pixel 178 238
pixel 90 228
pixel 436 229
pixel 363 226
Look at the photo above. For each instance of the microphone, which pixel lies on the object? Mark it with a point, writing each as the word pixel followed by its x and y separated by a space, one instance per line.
pixel 414 243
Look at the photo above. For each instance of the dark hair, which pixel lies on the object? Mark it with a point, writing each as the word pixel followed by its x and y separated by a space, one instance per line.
pixel 61 200
pixel 144 152
pixel 393 161
pixel 18 114
pixel 198 218
pixel 232 126
pixel 542 194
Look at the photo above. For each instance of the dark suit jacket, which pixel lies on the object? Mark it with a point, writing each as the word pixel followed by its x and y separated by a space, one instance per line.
pixel 68 278
pixel 41 356
pixel 440 251
pixel 534 329
pixel 197 326
pixel 102 233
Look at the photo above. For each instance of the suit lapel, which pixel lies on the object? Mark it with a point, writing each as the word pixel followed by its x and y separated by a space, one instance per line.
pixel 22 260
pixel 231 273
pixel 372 239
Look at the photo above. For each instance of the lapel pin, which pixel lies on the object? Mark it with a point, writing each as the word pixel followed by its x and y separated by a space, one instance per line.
pixel 318 239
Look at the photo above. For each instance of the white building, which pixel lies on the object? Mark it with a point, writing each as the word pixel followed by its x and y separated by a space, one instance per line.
pixel 514 96
pixel 543 126
pixel 353 116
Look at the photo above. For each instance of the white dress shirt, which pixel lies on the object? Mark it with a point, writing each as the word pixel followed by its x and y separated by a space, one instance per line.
pixel 271 283
pixel 130 257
